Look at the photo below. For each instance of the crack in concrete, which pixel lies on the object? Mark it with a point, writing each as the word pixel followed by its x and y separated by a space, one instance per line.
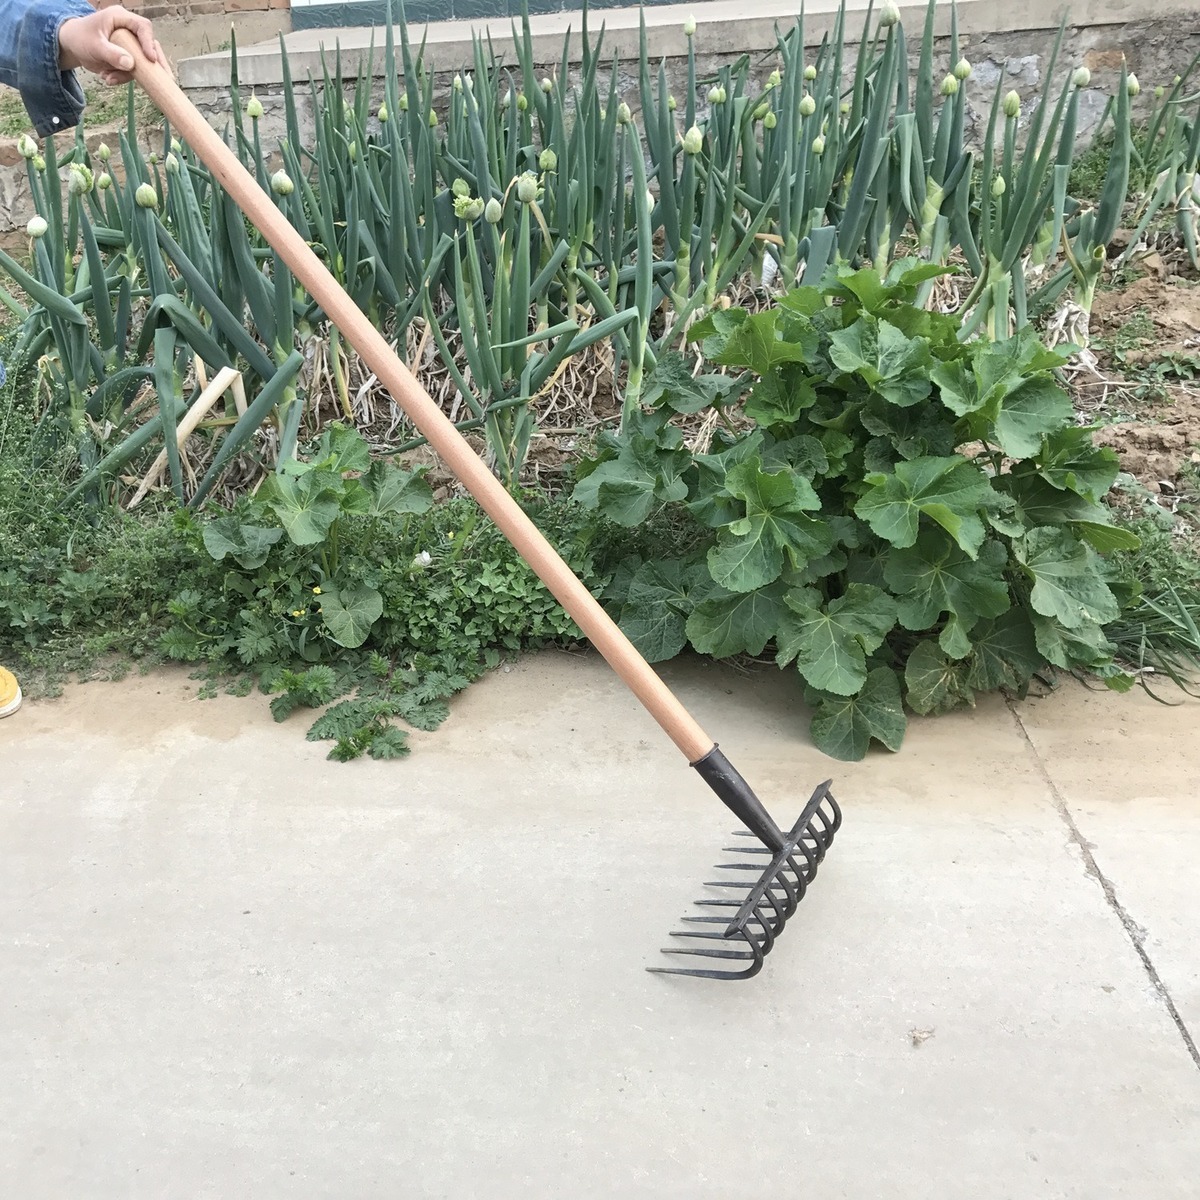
pixel 1137 935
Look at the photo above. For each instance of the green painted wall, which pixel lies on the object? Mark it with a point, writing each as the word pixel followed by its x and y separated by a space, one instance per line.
pixel 420 12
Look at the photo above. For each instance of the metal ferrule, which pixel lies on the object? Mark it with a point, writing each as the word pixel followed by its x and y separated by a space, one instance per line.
pixel 736 794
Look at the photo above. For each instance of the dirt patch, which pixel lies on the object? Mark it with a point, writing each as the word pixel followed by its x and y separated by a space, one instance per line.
pixel 1147 338
pixel 1156 452
pixel 1173 308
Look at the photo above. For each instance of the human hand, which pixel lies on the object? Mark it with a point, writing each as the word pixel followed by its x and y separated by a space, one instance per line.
pixel 87 42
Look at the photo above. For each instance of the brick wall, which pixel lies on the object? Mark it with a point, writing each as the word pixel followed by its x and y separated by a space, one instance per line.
pixel 186 28
pixel 186 9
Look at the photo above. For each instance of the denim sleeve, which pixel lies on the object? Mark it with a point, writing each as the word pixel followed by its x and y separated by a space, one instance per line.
pixel 29 61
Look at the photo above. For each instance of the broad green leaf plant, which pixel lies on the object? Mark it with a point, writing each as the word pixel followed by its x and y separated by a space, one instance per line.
pixel 903 519
pixel 308 501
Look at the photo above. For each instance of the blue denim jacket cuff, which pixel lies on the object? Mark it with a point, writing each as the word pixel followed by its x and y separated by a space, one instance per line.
pixel 52 97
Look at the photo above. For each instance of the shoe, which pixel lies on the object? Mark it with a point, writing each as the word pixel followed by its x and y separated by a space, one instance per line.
pixel 10 693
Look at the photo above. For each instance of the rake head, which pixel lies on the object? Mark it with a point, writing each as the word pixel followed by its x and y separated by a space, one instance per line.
pixel 777 874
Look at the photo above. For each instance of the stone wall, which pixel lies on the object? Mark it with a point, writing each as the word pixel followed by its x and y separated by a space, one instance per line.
pixel 189 10
pixel 188 27
pixel 1154 49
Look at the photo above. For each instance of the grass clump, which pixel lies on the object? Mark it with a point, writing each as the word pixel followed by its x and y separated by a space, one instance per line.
pixel 82 591
pixel 1158 632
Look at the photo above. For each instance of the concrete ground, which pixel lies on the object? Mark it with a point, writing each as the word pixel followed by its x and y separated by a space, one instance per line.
pixel 231 968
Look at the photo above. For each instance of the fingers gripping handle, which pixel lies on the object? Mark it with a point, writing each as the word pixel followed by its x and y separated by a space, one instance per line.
pixel 433 424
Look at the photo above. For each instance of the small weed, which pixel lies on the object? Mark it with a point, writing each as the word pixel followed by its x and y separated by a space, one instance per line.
pixel 105 106
pixel 1133 333
pixel 110 106
pixel 14 120
pixel 1089 169
pixel 1132 347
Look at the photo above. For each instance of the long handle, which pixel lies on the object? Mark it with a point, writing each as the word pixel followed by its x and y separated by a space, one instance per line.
pixel 434 425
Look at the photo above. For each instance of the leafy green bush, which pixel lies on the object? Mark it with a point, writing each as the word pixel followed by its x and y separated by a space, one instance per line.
pixel 908 520
pixel 339 579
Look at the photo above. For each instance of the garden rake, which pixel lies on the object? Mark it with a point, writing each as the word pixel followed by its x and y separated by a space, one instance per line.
pixel 773 876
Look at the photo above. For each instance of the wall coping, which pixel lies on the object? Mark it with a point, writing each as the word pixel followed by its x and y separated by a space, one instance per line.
pixel 725 27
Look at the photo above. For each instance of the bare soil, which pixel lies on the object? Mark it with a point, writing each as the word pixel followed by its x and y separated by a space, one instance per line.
pixel 1147 339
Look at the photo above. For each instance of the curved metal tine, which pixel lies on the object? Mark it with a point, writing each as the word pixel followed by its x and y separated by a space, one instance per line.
pixel 746 884
pixel 790 892
pixel 738 924
pixel 836 810
pixel 831 828
pixel 809 869
pixel 768 933
pixel 811 859
pixel 820 831
pixel 756 954
pixel 815 841
pixel 768 930
pixel 774 886
pixel 775 876
pixel 764 943
pixel 801 880
pixel 736 906
pixel 813 810
pixel 776 892
pixel 824 825
pixel 780 916
pixel 703 935
pixel 745 910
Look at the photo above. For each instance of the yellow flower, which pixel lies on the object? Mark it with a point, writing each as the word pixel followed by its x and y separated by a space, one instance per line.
pixel 316 591
pixel 297 612
pixel 450 536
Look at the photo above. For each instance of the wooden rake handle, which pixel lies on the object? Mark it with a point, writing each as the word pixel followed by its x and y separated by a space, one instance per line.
pixel 434 425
